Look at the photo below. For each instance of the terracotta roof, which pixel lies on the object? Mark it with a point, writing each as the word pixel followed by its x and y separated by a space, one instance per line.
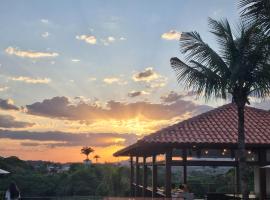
pixel 218 126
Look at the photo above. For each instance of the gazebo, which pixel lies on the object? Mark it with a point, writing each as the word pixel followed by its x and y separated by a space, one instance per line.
pixel 209 139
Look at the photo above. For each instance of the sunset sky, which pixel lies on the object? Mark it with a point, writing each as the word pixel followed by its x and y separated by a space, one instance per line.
pixel 95 73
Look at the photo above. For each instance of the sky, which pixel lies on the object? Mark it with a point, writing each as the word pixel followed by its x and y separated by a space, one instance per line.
pixel 95 73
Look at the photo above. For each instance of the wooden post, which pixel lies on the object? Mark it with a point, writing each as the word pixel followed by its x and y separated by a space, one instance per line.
pixel 144 176
pixel 131 177
pixel 237 177
pixel 184 166
pixel 262 173
pixel 154 177
pixel 168 174
pixel 137 177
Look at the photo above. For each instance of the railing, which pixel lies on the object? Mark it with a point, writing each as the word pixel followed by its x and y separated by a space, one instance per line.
pixel 200 190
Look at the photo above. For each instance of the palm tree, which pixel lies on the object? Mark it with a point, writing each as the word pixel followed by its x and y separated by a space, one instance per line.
pixel 96 157
pixel 256 12
pixel 240 68
pixel 86 151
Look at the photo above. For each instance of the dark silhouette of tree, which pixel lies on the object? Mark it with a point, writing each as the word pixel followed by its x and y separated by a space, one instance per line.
pixel 86 151
pixel 241 68
pixel 256 12
pixel 96 157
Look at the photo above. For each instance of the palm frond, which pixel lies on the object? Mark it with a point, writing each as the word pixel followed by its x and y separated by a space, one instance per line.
pixel 196 49
pixel 256 12
pixel 199 78
pixel 241 68
pixel 225 38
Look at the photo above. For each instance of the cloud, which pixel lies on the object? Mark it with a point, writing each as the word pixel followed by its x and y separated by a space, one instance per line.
pixel 62 108
pixel 92 79
pixel 4 88
pixel 111 39
pixel 171 35
pixel 158 83
pixel 45 21
pixel 75 60
pixel 90 39
pixel 45 34
pixel 114 80
pixel 31 80
pixel 122 38
pixel 8 121
pixel 147 75
pixel 137 93
pixel 8 104
pixel 150 77
pixel 107 41
pixel 60 139
pixel 29 54
pixel 171 97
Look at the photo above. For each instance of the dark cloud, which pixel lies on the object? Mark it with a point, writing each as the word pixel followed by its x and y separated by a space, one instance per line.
pixel 171 97
pixel 7 104
pixel 136 93
pixel 147 75
pixel 58 139
pixel 7 121
pixel 61 107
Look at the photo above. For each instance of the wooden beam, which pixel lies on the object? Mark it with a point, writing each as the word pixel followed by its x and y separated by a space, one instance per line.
pixel 154 177
pixel 131 177
pixel 144 177
pixel 204 163
pixel 137 183
pixel 168 174
pixel 184 155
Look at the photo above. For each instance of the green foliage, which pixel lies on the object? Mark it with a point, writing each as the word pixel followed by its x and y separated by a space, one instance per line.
pixel 80 180
pixel 106 179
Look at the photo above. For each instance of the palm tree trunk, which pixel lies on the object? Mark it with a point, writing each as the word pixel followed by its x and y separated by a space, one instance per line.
pixel 242 151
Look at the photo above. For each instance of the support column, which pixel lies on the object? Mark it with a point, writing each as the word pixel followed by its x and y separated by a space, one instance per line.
pixel 262 173
pixel 137 177
pixel 154 177
pixel 168 174
pixel 237 178
pixel 184 156
pixel 144 177
pixel 131 177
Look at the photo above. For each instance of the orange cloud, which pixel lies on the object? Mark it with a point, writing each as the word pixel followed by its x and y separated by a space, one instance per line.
pixel 171 35
pixel 62 108
pixel 29 54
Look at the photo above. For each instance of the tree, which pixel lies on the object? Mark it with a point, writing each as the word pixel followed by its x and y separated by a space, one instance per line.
pixel 256 12
pixel 96 157
pixel 241 68
pixel 86 151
